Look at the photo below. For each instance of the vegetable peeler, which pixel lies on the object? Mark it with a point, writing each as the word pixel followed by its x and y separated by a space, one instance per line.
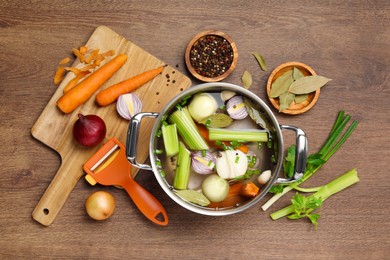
pixel 109 166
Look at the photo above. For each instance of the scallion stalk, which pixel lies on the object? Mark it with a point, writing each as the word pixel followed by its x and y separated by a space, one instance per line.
pixel 188 130
pixel 244 135
pixel 171 140
pixel 182 171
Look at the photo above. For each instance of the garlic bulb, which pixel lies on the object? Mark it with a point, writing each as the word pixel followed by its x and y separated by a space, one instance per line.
pixel 203 164
pixel 128 105
pixel 231 164
pixel 236 108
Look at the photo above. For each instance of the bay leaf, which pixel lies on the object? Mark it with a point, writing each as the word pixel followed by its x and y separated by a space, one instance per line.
pixel 260 59
pixel 308 84
pixel 193 196
pixel 218 120
pixel 285 100
pixel 300 98
pixel 246 79
pixel 281 84
pixel 297 74
pixel 258 117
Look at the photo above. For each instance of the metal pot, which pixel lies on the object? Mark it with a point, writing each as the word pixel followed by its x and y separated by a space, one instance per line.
pixel 276 152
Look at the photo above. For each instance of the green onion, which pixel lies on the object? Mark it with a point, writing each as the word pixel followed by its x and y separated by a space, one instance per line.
pixel 158 151
pixel 171 140
pixel 182 171
pixel 188 130
pixel 246 135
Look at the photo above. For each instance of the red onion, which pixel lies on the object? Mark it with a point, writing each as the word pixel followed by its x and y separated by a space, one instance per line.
pixel 89 130
pixel 203 164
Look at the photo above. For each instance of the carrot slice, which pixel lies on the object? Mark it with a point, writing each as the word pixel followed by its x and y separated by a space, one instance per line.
pixel 111 94
pixel 73 82
pixel 85 89
pixel 249 190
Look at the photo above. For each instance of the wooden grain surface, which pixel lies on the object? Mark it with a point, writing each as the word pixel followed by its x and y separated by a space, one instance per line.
pixel 347 41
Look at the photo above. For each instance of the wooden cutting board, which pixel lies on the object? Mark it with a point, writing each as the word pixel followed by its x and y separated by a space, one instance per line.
pixel 54 128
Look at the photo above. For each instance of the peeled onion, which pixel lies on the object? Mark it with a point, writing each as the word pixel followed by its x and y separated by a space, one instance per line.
pixel 203 164
pixel 89 130
pixel 231 164
pixel 128 105
pixel 236 108
pixel 100 205
pixel 215 188
pixel 202 106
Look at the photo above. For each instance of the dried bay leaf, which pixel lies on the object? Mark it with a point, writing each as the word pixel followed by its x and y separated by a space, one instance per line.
pixel 300 98
pixel 260 59
pixel 285 100
pixel 218 120
pixel 193 196
pixel 281 84
pixel 246 79
pixel 297 74
pixel 308 84
pixel 258 117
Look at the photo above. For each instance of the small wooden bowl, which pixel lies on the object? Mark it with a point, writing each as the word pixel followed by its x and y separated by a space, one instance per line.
pixel 293 109
pixel 205 78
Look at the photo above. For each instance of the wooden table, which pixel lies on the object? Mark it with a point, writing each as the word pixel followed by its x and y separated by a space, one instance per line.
pixel 347 41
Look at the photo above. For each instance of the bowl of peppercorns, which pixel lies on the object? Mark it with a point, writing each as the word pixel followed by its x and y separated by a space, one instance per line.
pixel 211 56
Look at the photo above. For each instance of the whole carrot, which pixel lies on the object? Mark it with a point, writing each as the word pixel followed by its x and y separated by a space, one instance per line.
pixel 111 94
pixel 85 89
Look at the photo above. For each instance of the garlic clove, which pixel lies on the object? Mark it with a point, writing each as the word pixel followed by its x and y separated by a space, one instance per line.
pixel 264 177
pixel 203 164
pixel 128 105
pixel 236 108
pixel 231 164
pixel 227 94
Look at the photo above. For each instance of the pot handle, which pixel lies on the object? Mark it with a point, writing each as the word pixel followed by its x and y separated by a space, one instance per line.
pixel 132 139
pixel 300 154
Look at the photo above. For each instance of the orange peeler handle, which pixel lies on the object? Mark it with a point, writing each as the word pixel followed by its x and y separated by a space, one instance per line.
pixel 146 203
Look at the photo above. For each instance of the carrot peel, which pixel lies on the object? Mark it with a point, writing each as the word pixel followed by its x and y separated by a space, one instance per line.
pixel 85 89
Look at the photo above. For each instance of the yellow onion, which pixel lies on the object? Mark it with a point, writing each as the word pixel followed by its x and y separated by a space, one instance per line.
pixel 100 205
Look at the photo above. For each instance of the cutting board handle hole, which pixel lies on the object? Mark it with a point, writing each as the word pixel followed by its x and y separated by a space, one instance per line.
pixel 46 211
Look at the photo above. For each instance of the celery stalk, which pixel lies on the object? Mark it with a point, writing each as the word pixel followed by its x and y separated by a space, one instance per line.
pixel 182 171
pixel 246 135
pixel 324 192
pixel 188 130
pixel 171 140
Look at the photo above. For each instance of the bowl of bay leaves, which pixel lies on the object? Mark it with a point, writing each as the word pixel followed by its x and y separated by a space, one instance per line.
pixel 294 87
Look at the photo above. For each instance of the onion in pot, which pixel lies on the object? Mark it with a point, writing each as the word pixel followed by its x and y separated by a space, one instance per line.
pixel 236 108
pixel 231 164
pixel 202 105
pixel 89 130
pixel 215 188
pixel 100 205
pixel 203 163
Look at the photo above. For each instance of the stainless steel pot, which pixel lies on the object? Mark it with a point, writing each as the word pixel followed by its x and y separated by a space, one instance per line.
pixel 277 151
